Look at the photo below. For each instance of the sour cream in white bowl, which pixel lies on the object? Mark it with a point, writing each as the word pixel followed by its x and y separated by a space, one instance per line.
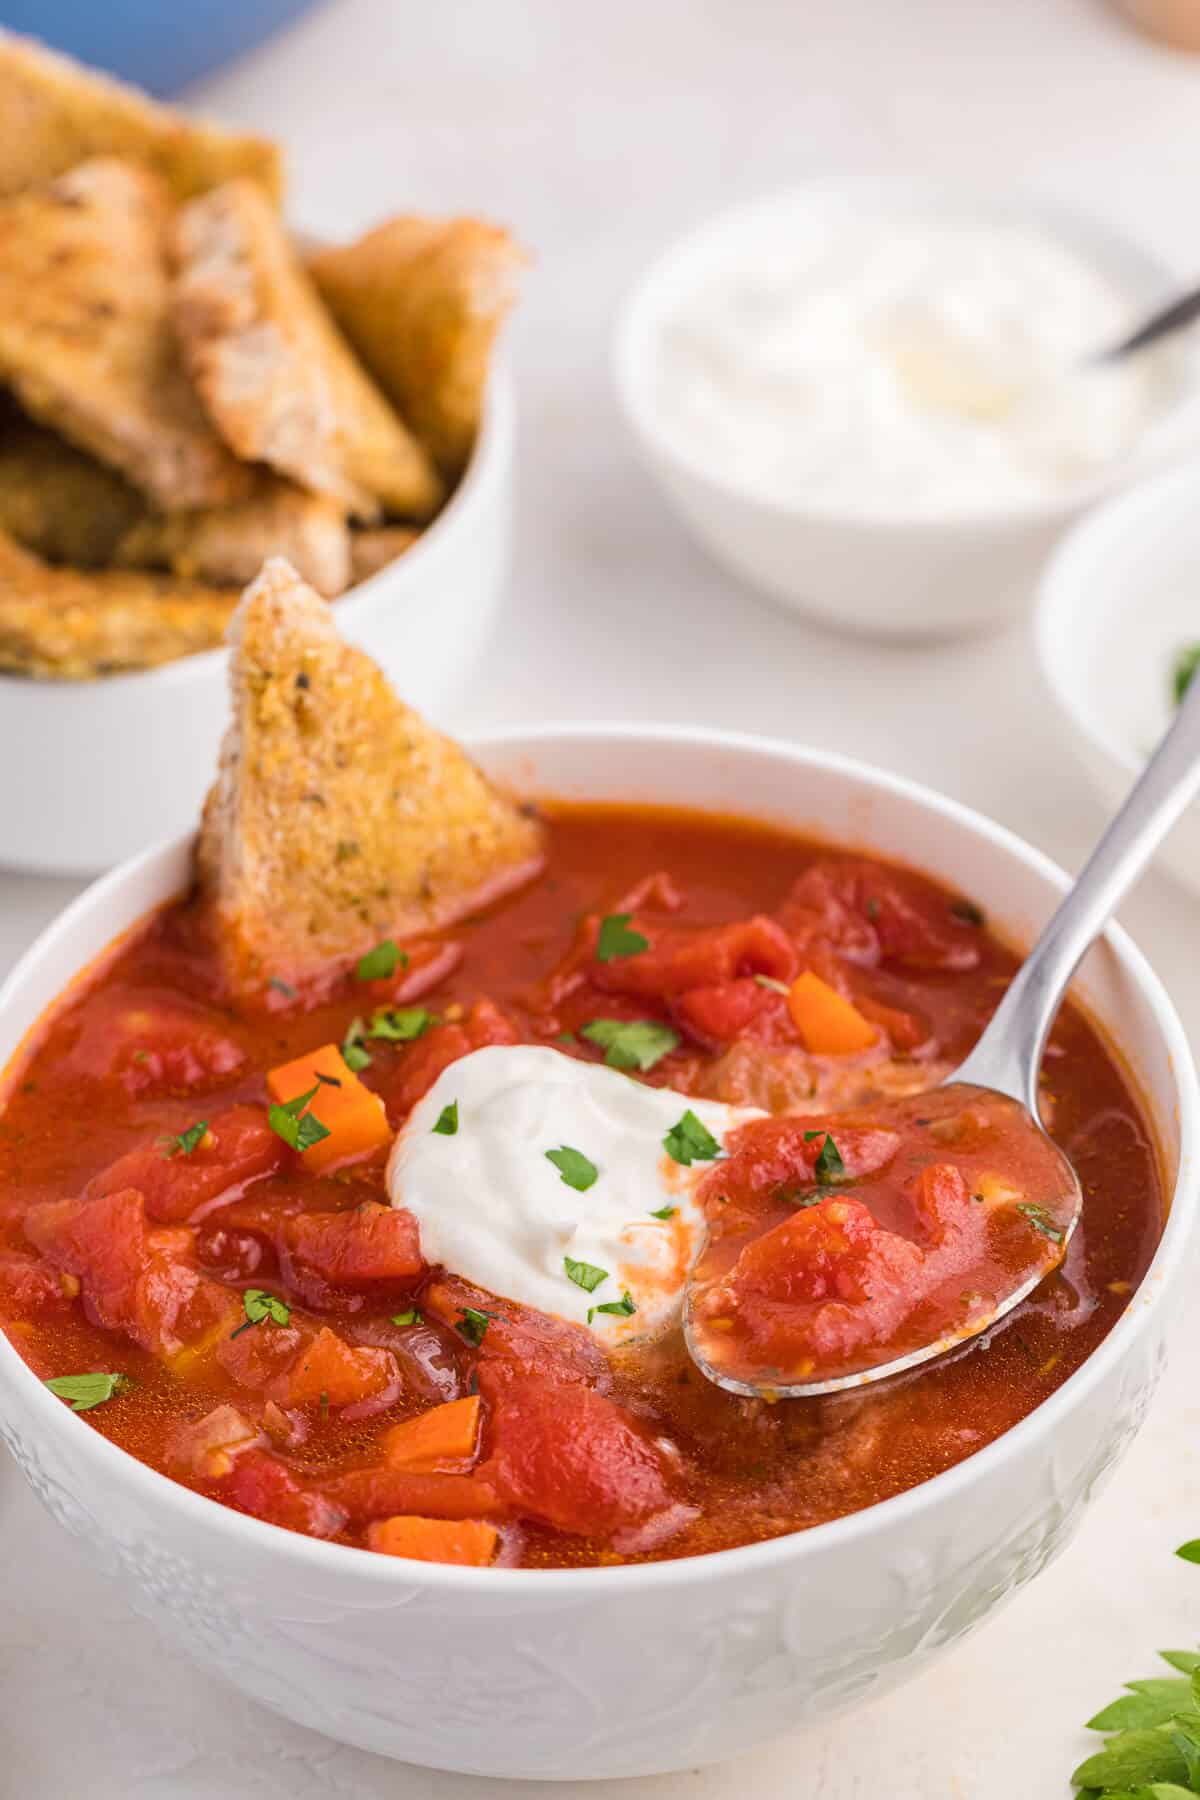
pixel 1119 601
pixel 872 399
pixel 630 1670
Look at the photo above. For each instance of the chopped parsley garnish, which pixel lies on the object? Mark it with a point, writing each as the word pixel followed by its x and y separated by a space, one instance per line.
pixel 282 987
pixel 665 1212
pixel 769 981
pixel 616 939
pixel 584 1275
pixel 411 1317
pixel 1187 661
pixel 328 1080
pixel 399 1024
pixel 566 1037
pixel 872 909
pixel 631 1043
pixel 86 1391
pixel 967 913
pixel 355 1054
pixel 574 1167
pixel 187 1141
pixel 689 1141
pixel 473 1324
pixel 382 961
pixel 447 1125
pixel 260 1306
pixel 1041 1221
pixel 296 1127
pixel 829 1165
pixel 623 1308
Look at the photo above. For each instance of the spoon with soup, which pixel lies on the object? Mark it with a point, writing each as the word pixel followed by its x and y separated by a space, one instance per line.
pixel 842 1251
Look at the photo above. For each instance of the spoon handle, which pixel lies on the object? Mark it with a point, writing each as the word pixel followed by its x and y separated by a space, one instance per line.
pixel 1169 318
pixel 1009 1053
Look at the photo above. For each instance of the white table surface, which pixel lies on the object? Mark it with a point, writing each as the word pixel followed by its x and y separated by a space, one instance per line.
pixel 598 132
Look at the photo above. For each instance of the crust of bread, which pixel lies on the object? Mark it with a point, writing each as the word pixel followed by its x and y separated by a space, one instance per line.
pixel 229 544
pixel 55 113
pixel 56 501
pixel 275 374
pixel 339 817
pixel 421 300
pixel 73 625
pixel 85 332
pixel 375 547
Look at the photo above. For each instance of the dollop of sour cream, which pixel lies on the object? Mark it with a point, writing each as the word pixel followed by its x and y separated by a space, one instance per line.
pixel 493 1207
pixel 897 366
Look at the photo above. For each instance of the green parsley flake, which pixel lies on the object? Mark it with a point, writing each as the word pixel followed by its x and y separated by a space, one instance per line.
pixel 355 1054
pixel 584 1275
pixel 829 1165
pixel 187 1141
pixel 447 1125
pixel 623 1308
pixel 86 1391
pixel 665 1212
pixel 574 1167
pixel 617 940
pixel 473 1324
pixel 399 1024
pixel 382 961
pixel 300 1129
pixel 259 1306
pixel 282 987
pixel 1041 1221
pixel 631 1043
pixel 689 1141
pixel 411 1317
pixel 1187 661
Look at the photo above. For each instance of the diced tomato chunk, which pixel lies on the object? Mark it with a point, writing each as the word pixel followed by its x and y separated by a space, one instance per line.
pixel 569 1456
pixel 237 1149
pixel 424 1060
pixel 871 914
pixel 153 1041
pixel 769 1154
pixel 679 959
pixel 732 1011
pixel 102 1242
pixel 380 1492
pixel 260 1484
pixel 519 1340
pixel 834 1250
pixel 29 1288
pixel 371 1244
pixel 344 1374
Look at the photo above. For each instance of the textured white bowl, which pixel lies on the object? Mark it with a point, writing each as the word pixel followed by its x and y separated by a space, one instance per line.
pixel 1118 599
pixel 628 1671
pixel 97 770
pixel 919 577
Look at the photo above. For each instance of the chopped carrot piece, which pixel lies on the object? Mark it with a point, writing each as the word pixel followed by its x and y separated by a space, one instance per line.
pixel 468 1541
pixel 828 1024
pixel 441 1439
pixel 353 1116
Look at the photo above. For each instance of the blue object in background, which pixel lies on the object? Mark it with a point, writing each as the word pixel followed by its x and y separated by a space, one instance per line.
pixel 158 44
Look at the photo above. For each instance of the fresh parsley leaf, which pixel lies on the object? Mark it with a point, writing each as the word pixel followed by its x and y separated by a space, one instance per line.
pixel 1184 1660
pixel 574 1167
pixel 411 1317
pixel 583 1274
pixel 399 1024
pixel 282 987
pixel 623 1308
pixel 566 1037
pixel 447 1125
pixel 355 1054
pixel 1187 661
pixel 665 1212
pixel 769 981
pixel 689 1141
pixel 86 1391
pixel 296 1127
pixel 188 1140
pixel 1190 1552
pixel 1134 1759
pixel 1150 1703
pixel 1041 1221
pixel 829 1165
pixel 473 1323
pixel 631 1043
pixel 616 939
pixel 258 1306
pixel 382 961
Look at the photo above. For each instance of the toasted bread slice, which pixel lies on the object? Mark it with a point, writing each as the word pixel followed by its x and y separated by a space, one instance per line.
pixel 55 113
pixel 231 543
pixel 69 625
pixel 85 332
pixel 58 502
pixel 277 378
pixel 375 547
pixel 421 300
pixel 339 818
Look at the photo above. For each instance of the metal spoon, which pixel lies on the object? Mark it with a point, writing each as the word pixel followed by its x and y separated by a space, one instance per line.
pixel 1162 323
pixel 1007 1058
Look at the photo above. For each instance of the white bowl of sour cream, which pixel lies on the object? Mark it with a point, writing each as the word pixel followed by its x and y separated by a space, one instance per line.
pixel 873 399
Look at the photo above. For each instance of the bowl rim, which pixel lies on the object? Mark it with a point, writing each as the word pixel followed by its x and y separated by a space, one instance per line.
pixel 1109 248
pixel 490 452
pixel 1063 586
pixel 347 1561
